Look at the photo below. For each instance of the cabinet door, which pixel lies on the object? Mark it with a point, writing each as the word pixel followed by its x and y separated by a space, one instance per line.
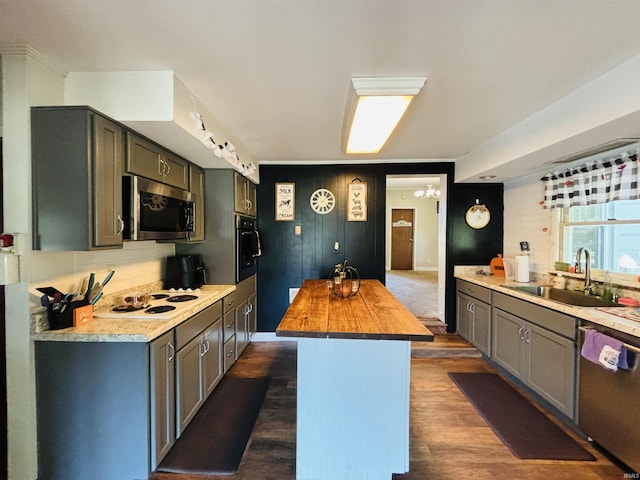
pixel 481 319
pixel 508 340
pixel 144 158
pixel 175 171
pixel 463 316
pixel 240 201
pixel 212 358
pixel 242 327
pixel 551 367
pixel 252 202
pixel 189 389
pixel 196 186
pixel 163 412
pixel 252 304
pixel 108 168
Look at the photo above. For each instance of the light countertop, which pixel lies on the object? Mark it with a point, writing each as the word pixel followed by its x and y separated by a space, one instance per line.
pixel 133 330
pixel 622 320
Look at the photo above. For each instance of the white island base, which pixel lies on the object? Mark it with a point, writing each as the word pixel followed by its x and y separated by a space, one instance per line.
pixel 352 409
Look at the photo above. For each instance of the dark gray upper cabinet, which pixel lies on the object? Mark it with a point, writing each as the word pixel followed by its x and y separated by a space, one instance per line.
pixel 244 196
pixel 77 159
pixel 149 160
pixel 196 186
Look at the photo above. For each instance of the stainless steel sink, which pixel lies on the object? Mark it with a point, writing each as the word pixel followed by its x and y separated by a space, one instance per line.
pixel 568 297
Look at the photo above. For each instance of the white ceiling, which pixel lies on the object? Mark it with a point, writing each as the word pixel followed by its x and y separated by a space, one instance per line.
pixel 276 72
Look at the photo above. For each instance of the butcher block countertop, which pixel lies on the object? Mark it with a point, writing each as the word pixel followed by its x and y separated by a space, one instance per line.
pixel 372 314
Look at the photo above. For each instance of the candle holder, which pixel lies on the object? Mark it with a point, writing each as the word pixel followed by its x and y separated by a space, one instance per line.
pixel 344 281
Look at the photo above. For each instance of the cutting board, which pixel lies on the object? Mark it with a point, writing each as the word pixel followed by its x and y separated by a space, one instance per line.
pixel 497 266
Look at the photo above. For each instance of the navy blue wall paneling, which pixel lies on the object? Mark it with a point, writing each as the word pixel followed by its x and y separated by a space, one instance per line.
pixel 289 259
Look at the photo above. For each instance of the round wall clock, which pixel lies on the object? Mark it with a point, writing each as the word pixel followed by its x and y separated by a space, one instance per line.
pixel 477 216
pixel 322 201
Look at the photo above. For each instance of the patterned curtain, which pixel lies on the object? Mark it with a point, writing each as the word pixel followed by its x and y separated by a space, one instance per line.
pixel 599 181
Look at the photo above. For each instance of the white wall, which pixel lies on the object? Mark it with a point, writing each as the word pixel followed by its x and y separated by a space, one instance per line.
pixel 525 219
pixel 425 255
pixel 27 81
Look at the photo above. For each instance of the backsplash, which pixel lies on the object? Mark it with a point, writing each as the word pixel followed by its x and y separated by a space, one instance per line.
pixel 136 264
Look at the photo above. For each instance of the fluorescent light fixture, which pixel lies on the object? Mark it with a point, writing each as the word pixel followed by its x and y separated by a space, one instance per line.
pixel 374 108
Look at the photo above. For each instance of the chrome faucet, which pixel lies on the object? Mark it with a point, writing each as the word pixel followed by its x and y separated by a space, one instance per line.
pixel 588 287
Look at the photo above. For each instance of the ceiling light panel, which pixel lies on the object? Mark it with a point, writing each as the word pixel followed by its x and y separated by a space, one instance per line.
pixel 374 107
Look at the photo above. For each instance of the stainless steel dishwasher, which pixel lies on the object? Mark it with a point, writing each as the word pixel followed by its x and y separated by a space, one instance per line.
pixel 609 402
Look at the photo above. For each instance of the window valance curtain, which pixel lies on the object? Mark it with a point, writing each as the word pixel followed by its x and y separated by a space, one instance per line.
pixel 599 181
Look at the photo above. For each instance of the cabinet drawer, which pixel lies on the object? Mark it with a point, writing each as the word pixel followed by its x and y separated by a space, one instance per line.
pixel 229 302
pixel 550 319
pixel 196 324
pixel 473 290
pixel 229 353
pixel 229 325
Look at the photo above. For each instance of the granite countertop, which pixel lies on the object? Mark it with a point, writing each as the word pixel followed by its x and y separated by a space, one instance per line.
pixel 132 330
pixel 625 319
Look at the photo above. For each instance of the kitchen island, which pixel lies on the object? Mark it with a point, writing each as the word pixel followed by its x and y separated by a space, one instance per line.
pixel 354 362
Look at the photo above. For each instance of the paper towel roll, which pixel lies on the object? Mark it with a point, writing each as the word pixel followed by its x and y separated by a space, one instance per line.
pixel 9 268
pixel 522 268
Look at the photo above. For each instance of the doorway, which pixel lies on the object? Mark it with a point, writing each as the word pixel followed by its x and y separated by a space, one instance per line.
pixel 428 233
pixel 402 233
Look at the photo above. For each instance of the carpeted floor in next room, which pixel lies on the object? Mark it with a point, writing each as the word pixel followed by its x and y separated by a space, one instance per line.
pixel 418 291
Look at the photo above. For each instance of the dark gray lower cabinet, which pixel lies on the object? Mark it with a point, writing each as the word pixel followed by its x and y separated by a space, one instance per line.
pixel 163 394
pixel 537 346
pixel 198 362
pixel 93 410
pixel 473 308
pixel 112 410
pixel 229 331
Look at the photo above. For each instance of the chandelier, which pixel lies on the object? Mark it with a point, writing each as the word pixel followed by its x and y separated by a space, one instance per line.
pixel 430 192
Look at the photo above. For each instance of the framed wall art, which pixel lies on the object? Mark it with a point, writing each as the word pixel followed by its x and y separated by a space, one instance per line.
pixel 357 201
pixel 285 202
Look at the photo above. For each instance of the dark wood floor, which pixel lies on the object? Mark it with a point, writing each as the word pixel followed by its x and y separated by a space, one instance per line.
pixel 449 440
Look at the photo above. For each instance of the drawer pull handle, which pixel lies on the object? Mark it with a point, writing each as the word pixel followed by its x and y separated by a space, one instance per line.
pixel 173 352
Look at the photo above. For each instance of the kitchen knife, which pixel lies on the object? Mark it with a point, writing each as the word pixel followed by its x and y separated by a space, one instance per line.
pixel 108 277
pixel 96 298
pixel 83 287
pixel 95 290
pixel 92 278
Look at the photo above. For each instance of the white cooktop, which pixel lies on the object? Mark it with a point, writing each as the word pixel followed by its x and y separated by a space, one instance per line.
pixel 166 300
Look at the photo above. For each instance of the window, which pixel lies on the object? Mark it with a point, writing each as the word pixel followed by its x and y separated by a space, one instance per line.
pixel 610 231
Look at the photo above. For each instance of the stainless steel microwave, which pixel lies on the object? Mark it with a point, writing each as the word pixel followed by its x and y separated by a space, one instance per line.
pixel 156 211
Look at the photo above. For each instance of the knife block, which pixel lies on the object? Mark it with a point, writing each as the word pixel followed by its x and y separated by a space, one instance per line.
pixel 59 320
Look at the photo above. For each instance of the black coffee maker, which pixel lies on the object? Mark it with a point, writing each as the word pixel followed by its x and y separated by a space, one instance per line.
pixel 185 271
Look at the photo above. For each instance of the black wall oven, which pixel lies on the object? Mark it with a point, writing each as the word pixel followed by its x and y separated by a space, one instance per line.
pixel 248 247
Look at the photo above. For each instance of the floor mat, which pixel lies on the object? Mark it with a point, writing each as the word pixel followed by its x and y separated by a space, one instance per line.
pixel 215 440
pixel 524 429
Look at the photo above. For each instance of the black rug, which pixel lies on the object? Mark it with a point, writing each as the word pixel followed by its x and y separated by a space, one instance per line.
pixel 214 441
pixel 524 429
